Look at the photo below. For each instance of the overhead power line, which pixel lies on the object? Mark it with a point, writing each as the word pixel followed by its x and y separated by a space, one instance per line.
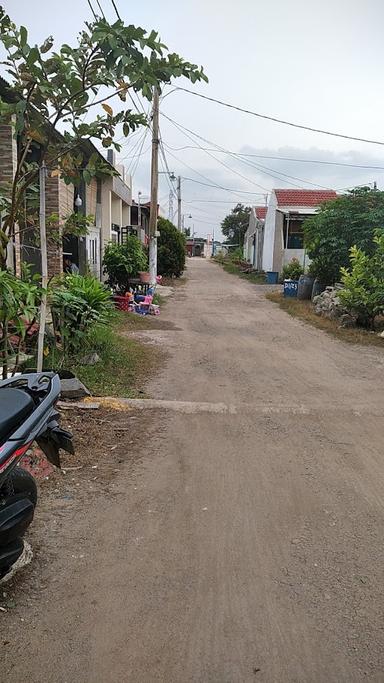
pixel 281 158
pixel 263 169
pixel 282 121
pixel 166 166
pixel 193 180
pixel 212 183
pixel 140 153
pixel 183 129
pixel 213 201
pixel 116 10
pixel 92 10
pixel 137 149
pixel 214 221
pixel 100 8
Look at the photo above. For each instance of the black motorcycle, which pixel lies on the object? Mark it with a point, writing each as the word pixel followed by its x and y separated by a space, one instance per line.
pixel 27 414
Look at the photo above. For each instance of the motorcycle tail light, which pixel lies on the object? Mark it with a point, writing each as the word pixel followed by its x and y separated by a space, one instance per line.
pixel 16 454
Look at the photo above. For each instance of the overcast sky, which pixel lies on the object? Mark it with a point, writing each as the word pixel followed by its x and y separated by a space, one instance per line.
pixel 319 64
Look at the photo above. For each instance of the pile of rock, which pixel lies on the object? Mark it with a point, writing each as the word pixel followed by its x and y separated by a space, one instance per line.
pixel 328 305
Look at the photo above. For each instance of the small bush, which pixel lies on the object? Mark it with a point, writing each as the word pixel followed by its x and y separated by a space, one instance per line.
pixel 363 293
pixel 236 255
pixel 293 270
pixel 170 250
pixel 124 261
pixel 78 303
pixel 19 307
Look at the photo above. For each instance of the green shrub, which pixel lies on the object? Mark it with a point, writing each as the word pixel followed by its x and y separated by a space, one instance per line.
pixel 170 250
pixel 236 255
pixel 19 307
pixel 78 303
pixel 90 290
pixel 124 261
pixel 293 270
pixel 363 293
pixel 350 219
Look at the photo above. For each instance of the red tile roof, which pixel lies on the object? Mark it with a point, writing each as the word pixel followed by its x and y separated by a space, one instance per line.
pixel 303 197
pixel 261 212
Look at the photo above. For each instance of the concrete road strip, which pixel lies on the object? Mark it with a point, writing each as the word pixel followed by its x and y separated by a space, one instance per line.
pixel 197 407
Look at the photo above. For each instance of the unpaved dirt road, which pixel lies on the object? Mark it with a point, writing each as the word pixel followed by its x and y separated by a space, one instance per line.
pixel 247 543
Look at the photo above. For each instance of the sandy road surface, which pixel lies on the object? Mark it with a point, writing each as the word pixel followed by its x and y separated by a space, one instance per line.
pixel 247 545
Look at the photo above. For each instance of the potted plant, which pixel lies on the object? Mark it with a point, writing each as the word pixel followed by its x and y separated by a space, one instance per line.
pixel 291 274
pixel 123 262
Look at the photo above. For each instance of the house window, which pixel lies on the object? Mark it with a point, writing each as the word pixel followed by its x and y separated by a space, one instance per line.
pixel 93 250
pixel 293 234
pixel 115 233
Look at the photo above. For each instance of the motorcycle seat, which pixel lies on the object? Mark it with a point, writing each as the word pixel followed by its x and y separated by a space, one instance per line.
pixel 15 406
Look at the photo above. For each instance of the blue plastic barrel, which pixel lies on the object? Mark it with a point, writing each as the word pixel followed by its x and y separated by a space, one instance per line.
pixel 291 287
pixel 272 277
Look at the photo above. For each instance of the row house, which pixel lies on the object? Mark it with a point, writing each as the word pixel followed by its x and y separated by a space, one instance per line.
pixel 254 237
pixel 107 198
pixel 275 233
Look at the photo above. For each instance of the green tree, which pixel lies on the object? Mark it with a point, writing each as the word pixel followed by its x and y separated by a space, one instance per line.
pixel 170 249
pixel 351 219
pixel 52 91
pixel 363 293
pixel 235 225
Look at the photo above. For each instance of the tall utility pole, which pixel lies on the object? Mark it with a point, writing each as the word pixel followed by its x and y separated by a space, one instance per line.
pixel 179 203
pixel 170 209
pixel 44 269
pixel 154 189
pixel 139 210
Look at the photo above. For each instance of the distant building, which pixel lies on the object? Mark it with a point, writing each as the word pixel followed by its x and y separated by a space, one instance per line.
pixel 140 221
pixel 283 227
pixel 254 237
pixel 196 246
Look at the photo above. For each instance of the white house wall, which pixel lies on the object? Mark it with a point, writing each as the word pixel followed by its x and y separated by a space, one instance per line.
pixel 269 234
pixel 299 254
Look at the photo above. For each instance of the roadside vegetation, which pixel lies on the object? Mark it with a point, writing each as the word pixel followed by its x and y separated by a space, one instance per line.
pixel 345 242
pixel 124 363
pixel 85 324
pixel 55 85
pixel 350 220
pixel 170 250
pixel 304 310
pixel 51 89
pixel 235 225
pixel 233 263
pixel 122 262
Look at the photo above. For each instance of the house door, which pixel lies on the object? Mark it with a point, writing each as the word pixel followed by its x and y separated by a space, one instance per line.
pixel 93 252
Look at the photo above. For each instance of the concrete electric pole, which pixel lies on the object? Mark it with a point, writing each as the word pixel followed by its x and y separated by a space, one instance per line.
pixel 170 210
pixel 179 203
pixel 44 269
pixel 154 189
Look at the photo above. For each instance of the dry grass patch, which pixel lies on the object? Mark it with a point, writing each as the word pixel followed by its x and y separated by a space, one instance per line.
pixel 303 310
